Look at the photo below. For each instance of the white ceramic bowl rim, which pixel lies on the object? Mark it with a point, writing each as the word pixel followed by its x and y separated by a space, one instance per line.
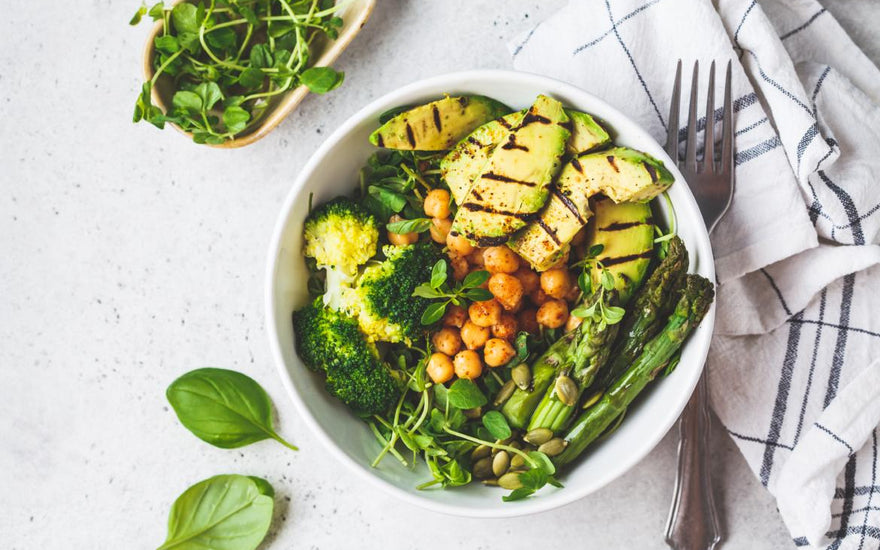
pixel 453 81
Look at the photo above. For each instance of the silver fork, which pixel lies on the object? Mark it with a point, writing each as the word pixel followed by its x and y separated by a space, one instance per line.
pixel 693 520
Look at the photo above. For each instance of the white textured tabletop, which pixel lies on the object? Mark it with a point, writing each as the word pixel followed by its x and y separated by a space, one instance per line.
pixel 129 256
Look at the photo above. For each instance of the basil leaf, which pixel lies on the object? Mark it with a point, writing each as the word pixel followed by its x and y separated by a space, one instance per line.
pixel 441 394
pixel 251 78
pixel 496 424
pixel 613 314
pixel 167 44
pixel 138 15
pixel 225 512
pixel 210 94
pixel 521 343
pixel 433 313
pixel 607 280
pixel 478 294
pixel 534 479
pixel 585 283
pixel 438 274
pixel 475 279
pixel 543 461
pixel 595 250
pixel 518 494
pixel 157 12
pixel 464 394
pixel 188 101
pixel 454 474
pixel 261 57
pixel 224 408
pixel 392 200
pixel 235 119
pixel 321 80
pixel 425 291
pixel 418 225
pixel 184 19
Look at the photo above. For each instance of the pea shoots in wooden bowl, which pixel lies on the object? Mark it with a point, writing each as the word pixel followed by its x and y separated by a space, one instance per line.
pixel 489 293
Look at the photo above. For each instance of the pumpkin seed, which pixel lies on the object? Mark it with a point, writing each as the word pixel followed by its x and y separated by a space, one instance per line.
pixel 553 447
pixel 491 482
pixel 593 399
pixel 501 442
pixel 483 468
pixel 517 462
pixel 510 481
pixel 474 413
pixel 500 463
pixel 566 390
pixel 482 451
pixel 539 436
pixel 521 376
pixel 504 393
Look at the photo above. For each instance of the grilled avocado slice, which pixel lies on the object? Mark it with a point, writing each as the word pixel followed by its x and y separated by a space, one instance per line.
pixel 461 165
pixel 626 232
pixel 437 125
pixel 623 174
pixel 513 185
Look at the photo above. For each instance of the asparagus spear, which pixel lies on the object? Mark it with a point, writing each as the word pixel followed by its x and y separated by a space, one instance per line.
pixel 590 352
pixel 652 304
pixel 693 304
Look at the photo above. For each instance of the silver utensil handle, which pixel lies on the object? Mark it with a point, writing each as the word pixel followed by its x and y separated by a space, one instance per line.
pixel 693 521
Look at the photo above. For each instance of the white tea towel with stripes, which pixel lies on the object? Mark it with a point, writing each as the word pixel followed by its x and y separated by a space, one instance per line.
pixel 795 362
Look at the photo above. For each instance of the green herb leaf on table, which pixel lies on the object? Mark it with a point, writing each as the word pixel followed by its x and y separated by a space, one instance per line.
pixel 464 394
pixel 225 512
pixel 497 425
pixel 138 15
pixel 224 408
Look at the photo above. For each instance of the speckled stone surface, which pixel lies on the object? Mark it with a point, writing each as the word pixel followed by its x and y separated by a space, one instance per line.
pixel 129 256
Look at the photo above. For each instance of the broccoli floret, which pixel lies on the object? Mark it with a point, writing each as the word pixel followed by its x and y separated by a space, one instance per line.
pixel 383 302
pixel 331 342
pixel 341 235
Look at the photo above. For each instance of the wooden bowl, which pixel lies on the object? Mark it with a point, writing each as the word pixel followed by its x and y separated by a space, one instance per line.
pixel 354 16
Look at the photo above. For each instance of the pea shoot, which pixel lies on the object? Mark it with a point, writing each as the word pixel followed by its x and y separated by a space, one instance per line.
pixel 227 60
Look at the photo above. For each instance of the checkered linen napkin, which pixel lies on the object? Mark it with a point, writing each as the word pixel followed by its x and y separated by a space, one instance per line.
pixel 795 362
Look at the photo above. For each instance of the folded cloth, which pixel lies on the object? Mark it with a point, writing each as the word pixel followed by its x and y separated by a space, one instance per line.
pixel 794 368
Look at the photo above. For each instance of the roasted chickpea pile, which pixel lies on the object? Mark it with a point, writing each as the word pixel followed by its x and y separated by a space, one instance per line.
pixel 482 335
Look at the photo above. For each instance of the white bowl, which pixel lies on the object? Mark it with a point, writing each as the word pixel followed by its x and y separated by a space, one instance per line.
pixel 333 170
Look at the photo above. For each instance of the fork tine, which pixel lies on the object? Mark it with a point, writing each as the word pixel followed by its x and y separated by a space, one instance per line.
pixel 672 126
pixel 709 142
pixel 690 158
pixel 727 130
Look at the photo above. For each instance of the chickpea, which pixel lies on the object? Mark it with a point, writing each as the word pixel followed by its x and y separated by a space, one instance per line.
pixel 440 229
pixel 440 368
pixel 447 340
pixel 539 297
pixel 460 267
pixel 573 293
pixel 553 314
pixel 573 322
pixel 506 327
pixel 455 316
pixel 501 259
pixel 437 203
pixel 556 282
pixel 476 258
pixel 400 239
pixel 507 289
pixel 527 320
pixel 498 352
pixel 486 313
pixel 528 278
pixel 467 364
pixel 459 244
pixel 474 336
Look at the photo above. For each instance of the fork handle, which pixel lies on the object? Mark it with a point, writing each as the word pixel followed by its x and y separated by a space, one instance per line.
pixel 693 521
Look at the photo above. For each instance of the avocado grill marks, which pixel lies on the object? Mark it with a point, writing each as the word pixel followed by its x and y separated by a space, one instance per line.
pixel 620 226
pixel 651 171
pixel 484 242
pixel 612 162
pixel 550 233
pixel 504 123
pixel 608 262
pixel 577 165
pixel 379 140
pixel 475 142
pixel 532 118
pixel 437 122
pixel 512 144
pixel 474 207
pixel 410 135
pixel 568 204
pixel 502 177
